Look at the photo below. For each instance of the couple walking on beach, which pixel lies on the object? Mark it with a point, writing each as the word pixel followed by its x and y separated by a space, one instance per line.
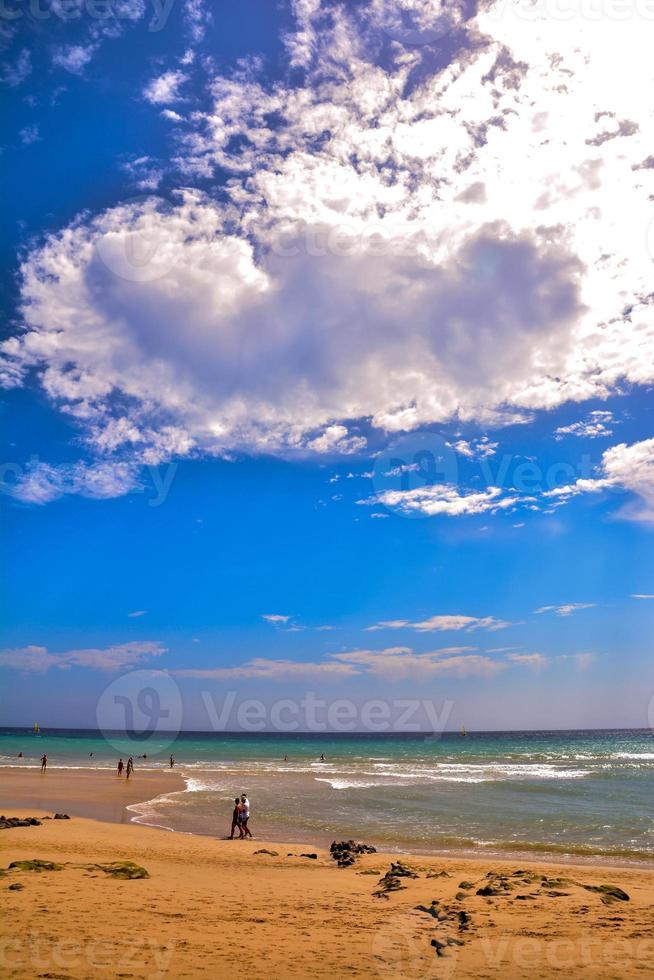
pixel 240 817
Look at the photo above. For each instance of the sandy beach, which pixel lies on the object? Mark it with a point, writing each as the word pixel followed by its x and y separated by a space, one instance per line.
pixel 211 906
pixel 95 793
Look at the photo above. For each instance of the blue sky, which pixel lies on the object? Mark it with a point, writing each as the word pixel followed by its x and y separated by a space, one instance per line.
pixel 327 355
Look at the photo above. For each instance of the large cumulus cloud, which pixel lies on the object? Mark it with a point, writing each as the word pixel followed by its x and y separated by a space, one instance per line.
pixel 403 240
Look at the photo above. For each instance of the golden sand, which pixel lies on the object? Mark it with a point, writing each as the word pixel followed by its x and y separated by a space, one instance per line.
pixel 214 908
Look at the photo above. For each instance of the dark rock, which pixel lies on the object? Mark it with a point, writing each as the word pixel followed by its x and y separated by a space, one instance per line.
pixel 439 946
pixel 120 869
pixel 312 856
pixel 438 874
pixel 6 823
pixel 608 893
pixel 461 895
pixel 264 851
pixel 467 885
pixel 464 921
pixel 35 865
pixel 400 870
pixel 345 852
pixel 61 816
pixel 16 887
pixel 429 909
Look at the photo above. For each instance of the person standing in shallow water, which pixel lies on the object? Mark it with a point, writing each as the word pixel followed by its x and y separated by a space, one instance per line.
pixel 44 763
pixel 121 766
pixel 130 767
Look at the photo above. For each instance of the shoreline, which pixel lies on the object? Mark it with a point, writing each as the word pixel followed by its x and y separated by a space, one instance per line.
pixel 208 907
pixel 88 793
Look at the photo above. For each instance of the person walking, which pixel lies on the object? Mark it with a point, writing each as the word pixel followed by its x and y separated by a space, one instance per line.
pixel 245 816
pixel 44 763
pixel 121 766
pixel 130 767
pixel 236 820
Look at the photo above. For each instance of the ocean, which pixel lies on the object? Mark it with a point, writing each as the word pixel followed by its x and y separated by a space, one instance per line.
pixel 567 793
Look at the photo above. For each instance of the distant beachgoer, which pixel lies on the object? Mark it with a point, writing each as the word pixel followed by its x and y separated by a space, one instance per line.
pixel 322 758
pixel 285 758
pixel 245 816
pixel 130 768
pixel 236 821
pixel 20 755
pixel 172 762
pixel 144 756
pixel 121 766
pixel 44 763
pixel 90 755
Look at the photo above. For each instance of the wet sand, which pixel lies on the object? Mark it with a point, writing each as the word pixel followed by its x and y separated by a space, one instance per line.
pixel 96 793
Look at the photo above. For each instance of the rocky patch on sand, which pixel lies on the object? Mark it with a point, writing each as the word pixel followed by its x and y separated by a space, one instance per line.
pixel 6 823
pixel 345 852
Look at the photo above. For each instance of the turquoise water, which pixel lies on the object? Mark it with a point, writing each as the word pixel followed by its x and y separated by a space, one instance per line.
pixel 567 792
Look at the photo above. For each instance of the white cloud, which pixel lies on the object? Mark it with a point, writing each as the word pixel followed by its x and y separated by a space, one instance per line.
pixel 74 57
pixel 596 425
pixel 446 499
pixel 391 663
pixel 623 467
pixel 439 623
pixel 43 483
pixel 137 613
pixel 350 272
pixel 475 448
pixel 566 609
pixel 275 618
pixel 16 73
pixel 37 659
pixel 165 88
pixel 642 595
pixel 336 439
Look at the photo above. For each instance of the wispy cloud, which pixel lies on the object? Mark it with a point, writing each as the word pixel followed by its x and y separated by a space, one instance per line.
pixel 642 595
pixel 596 425
pixel 137 613
pixel 275 618
pixel 265 669
pixel 567 608
pixel 390 663
pixel 442 623
pixel 38 659
pixel 528 659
